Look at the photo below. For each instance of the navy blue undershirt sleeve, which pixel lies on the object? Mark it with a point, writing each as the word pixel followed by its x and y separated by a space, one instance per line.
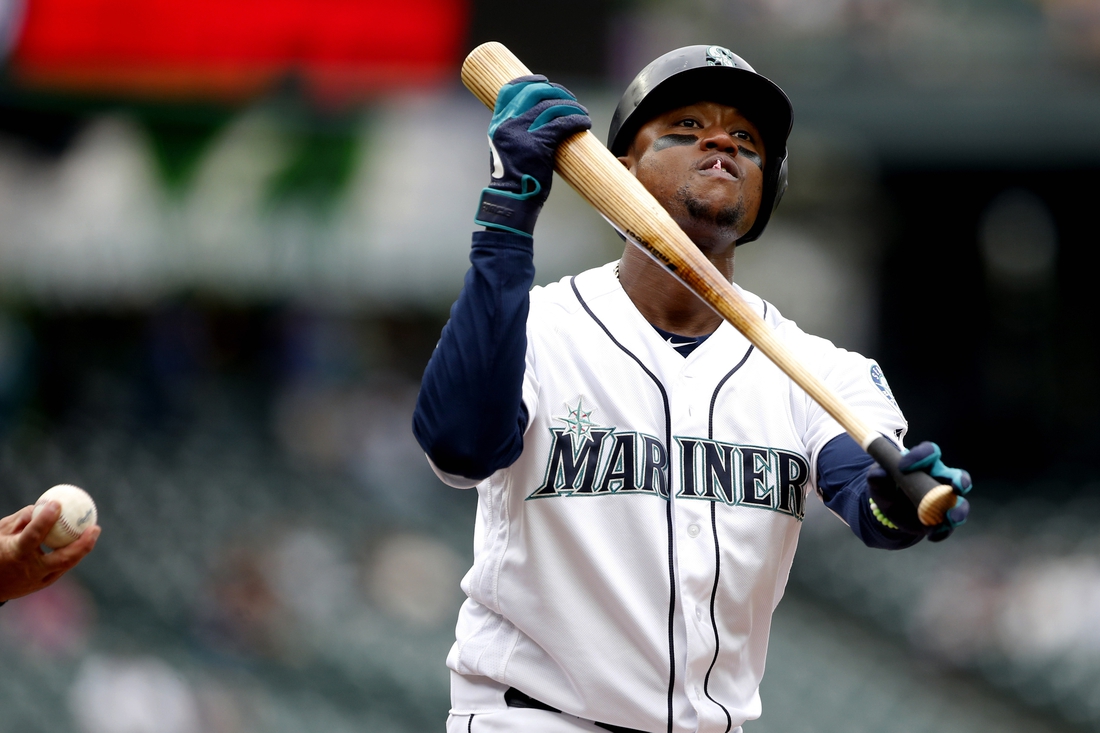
pixel 842 480
pixel 469 415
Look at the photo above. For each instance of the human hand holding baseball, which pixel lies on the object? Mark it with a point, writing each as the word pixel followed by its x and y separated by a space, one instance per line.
pixel 894 510
pixel 24 566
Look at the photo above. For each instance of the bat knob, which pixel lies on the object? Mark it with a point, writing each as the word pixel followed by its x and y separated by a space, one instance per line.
pixel 935 505
pixel 931 498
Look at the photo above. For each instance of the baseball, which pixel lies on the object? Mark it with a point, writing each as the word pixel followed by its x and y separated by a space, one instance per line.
pixel 77 513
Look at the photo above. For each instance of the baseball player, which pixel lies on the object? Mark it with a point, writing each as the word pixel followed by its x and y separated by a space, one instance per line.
pixel 641 469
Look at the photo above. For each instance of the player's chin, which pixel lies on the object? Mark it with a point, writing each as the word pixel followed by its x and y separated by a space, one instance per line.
pixel 724 218
pixel 733 219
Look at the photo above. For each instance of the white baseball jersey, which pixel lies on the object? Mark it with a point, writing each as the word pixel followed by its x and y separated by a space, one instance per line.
pixel 626 566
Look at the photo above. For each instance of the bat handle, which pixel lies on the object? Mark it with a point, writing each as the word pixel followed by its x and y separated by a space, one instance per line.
pixel 931 498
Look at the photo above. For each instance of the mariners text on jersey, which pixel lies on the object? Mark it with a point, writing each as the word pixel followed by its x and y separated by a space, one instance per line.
pixel 588 460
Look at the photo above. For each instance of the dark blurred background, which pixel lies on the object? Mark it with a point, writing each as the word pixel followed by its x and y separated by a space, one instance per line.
pixel 229 236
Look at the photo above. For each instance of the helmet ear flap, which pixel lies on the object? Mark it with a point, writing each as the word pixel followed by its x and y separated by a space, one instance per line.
pixel 775 185
pixel 781 183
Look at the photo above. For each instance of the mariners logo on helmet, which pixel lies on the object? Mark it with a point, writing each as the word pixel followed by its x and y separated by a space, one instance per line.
pixel 718 56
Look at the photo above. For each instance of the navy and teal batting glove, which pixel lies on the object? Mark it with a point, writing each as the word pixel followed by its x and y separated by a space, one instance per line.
pixel 531 119
pixel 894 510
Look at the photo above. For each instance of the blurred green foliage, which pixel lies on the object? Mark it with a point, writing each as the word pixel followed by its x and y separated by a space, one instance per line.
pixel 322 161
pixel 178 143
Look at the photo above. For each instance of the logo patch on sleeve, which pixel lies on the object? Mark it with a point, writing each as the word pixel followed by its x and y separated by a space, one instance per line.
pixel 880 381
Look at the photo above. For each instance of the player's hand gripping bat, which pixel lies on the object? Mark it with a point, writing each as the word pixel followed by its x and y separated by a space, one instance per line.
pixel 604 182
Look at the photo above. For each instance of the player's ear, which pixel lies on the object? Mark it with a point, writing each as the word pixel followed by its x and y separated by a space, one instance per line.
pixel 627 162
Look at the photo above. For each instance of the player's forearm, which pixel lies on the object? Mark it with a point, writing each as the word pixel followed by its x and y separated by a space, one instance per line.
pixel 842 479
pixel 469 416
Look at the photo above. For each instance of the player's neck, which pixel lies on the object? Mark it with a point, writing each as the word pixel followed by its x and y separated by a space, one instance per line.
pixel 663 300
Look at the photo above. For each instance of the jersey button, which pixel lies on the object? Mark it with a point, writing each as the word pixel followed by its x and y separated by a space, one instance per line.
pixel 698 613
pixel 693 530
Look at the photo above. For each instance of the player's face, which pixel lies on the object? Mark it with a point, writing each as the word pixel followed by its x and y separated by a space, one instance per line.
pixel 705 164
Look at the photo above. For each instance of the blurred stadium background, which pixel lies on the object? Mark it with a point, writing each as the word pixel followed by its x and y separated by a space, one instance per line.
pixel 229 235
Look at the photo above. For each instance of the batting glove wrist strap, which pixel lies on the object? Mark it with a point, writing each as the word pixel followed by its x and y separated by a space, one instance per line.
pixel 510 212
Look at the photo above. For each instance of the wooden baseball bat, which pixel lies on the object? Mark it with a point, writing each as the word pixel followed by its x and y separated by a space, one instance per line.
pixel 604 182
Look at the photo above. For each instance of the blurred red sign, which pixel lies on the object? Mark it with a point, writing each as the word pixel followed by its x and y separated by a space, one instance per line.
pixel 232 49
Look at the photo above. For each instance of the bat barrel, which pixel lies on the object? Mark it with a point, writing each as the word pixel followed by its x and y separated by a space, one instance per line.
pixel 489 67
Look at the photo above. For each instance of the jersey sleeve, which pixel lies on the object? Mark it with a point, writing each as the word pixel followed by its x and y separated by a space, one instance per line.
pixel 470 414
pixel 839 463
pixel 859 383
pixel 842 483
